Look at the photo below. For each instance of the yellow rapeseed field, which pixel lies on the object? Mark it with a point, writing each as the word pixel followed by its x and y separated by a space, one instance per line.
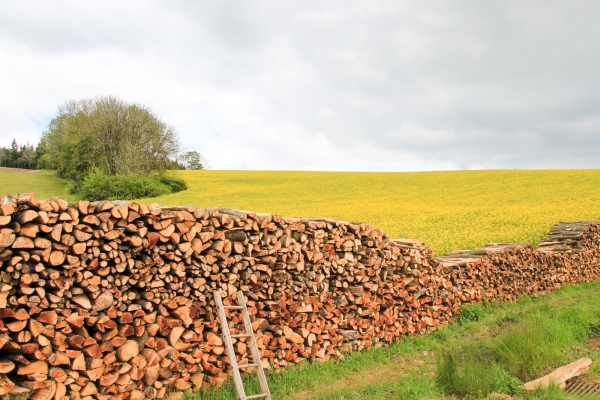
pixel 449 210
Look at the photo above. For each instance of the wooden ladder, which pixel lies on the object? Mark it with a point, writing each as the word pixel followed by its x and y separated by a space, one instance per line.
pixel 237 377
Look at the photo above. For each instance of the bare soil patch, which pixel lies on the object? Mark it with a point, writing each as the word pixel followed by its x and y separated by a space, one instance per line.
pixel 594 343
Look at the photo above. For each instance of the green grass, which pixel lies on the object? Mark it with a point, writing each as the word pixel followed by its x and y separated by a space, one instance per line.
pixel 43 183
pixel 525 349
pixel 490 348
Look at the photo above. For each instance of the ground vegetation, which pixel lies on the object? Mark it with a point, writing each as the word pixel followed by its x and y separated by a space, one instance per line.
pixel 17 155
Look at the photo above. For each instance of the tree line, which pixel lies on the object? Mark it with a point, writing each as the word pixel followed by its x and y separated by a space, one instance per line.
pixel 106 142
pixel 19 156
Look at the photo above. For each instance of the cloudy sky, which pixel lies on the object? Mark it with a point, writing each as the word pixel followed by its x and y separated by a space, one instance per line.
pixel 322 85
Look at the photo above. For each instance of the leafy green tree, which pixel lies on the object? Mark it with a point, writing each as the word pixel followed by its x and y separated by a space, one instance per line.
pixel 194 160
pixel 107 134
pixel 13 156
pixel 27 156
pixel 18 156
pixel 36 158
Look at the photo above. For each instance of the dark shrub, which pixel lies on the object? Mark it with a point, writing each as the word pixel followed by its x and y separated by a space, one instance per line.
pixel 99 186
pixel 176 184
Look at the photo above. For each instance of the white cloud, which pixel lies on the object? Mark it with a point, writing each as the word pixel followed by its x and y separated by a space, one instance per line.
pixel 329 86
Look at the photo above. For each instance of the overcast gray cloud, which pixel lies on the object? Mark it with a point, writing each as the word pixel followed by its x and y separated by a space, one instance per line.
pixel 338 85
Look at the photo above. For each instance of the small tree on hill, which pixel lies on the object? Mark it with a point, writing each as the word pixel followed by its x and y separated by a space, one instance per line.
pixel 194 161
pixel 108 134
pixel 27 153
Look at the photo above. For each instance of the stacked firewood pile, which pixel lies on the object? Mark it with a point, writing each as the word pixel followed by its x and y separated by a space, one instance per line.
pixel 570 254
pixel 114 299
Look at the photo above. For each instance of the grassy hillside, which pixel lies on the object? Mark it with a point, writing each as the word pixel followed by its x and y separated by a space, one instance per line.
pixel 449 210
pixel 43 183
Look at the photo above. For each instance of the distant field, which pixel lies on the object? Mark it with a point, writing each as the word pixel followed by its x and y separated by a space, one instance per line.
pixel 449 210
pixel 43 183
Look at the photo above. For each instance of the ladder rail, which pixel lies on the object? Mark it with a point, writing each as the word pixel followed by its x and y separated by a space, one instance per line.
pixel 253 348
pixel 237 377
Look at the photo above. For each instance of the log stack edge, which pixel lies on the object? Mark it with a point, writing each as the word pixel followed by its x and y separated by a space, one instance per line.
pixel 113 300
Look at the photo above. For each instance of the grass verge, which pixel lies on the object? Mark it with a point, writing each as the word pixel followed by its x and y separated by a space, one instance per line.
pixel 494 347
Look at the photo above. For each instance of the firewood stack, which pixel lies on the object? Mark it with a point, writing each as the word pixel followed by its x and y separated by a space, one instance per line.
pixel 504 271
pixel 114 299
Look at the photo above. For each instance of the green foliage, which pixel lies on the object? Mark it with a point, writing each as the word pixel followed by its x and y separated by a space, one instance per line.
pixel 19 156
pixel 175 184
pixel 192 160
pixel 108 134
pixel 101 186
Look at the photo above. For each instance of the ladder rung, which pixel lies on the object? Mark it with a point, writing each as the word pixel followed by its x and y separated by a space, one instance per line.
pixel 255 362
pixel 248 365
pixel 257 396
pixel 237 335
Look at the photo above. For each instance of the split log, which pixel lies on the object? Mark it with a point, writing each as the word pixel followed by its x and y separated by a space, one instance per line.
pixel 561 375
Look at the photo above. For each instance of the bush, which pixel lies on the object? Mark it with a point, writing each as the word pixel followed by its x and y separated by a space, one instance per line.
pixel 100 186
pixel 175 184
